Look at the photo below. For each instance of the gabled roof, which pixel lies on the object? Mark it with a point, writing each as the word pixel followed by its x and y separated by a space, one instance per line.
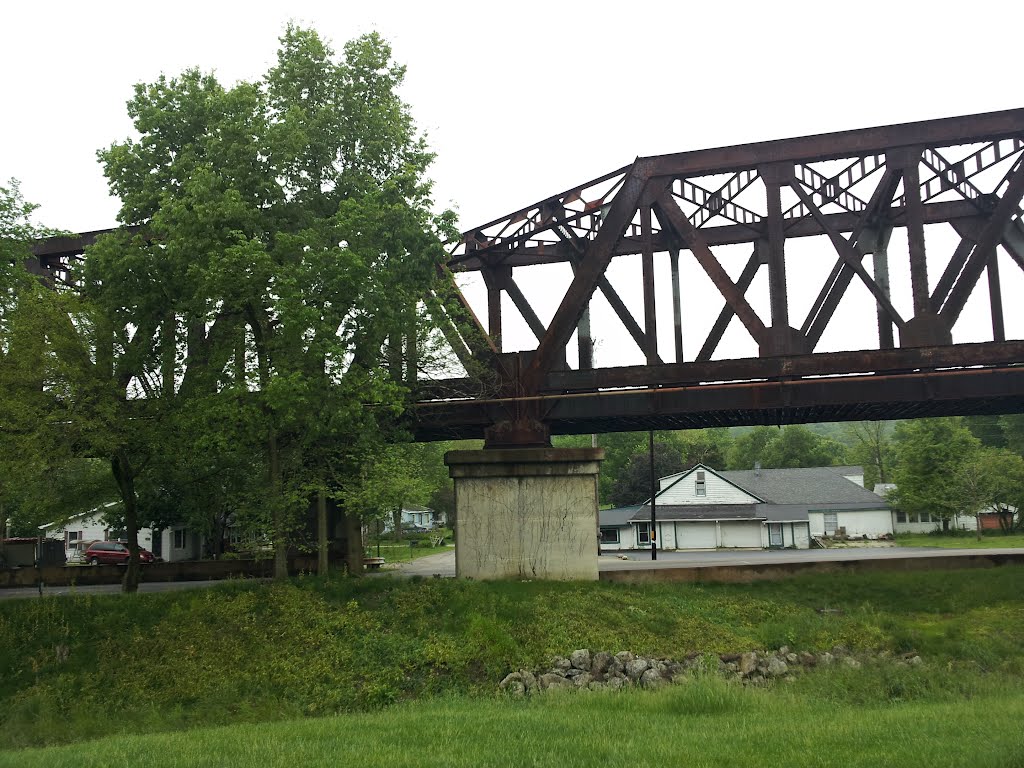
pixel 617 516
pixel 415 508
pixel 95 512
pixel 809 486
pixel 681 476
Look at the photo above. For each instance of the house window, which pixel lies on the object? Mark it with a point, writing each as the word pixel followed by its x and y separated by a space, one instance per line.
pixel 831 522
pixel 71 538
pixel 901 516
pixel 926 517
pixel 609 535
pixel 180 538
pixel 643 533
pixel 700 487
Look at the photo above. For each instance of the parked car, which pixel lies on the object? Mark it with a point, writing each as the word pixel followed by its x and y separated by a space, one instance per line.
pixel 107 552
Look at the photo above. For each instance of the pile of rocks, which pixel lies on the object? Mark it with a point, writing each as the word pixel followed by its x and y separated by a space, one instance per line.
pixel 601 669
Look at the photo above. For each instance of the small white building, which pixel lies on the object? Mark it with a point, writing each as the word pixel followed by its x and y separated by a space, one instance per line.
pixel 413 514
pixel 80 530
pixel 179 543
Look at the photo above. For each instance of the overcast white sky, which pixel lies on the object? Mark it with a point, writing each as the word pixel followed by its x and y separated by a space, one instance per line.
pixel 520 100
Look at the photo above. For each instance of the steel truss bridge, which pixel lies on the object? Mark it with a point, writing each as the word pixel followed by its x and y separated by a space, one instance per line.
pixel 951 187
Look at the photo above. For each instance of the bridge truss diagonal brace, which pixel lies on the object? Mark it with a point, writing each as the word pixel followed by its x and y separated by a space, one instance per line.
pixel 458 322
pixel 726 315
pixel 850 255
pixel 590 271
pixel 610 294
pixel 831 294
pixel 989 236
pixel 671 216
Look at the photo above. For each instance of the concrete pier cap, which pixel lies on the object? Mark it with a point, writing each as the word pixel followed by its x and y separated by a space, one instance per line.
pixel 526 513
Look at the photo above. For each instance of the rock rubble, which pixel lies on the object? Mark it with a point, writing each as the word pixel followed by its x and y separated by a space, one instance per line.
pixel 595 670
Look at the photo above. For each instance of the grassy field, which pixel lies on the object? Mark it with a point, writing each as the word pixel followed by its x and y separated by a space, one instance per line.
pixel 699 724
pixel 965 541
pixel 75 668
pixel 403 553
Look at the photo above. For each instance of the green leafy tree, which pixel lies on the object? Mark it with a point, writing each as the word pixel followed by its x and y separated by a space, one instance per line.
pixel 748 449
pixel 704 446
pixel 792 446
pixel 992 480
pixel 42 478
pixel 1013 432
pixel 871 446
pixel 633 484
pixel 797 446
pixel 288 242
pixel 928 474
pixel 988 429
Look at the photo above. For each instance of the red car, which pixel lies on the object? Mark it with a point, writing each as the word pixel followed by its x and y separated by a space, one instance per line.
pixel 113 552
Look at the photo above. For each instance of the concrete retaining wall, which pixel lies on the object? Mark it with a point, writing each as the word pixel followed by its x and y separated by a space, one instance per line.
pixel 776 571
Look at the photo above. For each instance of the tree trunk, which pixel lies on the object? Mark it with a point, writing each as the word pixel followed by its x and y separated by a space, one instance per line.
pixel 321 534
pixel 353 544
pixel 396 522
pixel 125 479
pixel 277 507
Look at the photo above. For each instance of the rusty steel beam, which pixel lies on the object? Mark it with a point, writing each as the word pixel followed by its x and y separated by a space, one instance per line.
pixel 995 299
pixel 731 234
pixel 650 316
pixel 790 366
pixel 948 131
pixel 852 398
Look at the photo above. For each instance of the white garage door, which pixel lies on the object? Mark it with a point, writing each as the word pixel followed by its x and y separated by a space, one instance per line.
pixel 745 533
pixel 695 536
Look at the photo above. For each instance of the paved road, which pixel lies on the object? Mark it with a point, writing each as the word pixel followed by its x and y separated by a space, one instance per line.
pixel 441 564
pixel 444 564
pixel 696 559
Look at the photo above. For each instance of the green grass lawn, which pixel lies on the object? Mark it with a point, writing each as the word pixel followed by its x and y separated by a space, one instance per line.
pixel 403 553
pixel 967 541
pixel 77 667
pixel 698 724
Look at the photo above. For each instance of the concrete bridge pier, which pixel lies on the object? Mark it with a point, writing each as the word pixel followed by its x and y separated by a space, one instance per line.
pixel 526 513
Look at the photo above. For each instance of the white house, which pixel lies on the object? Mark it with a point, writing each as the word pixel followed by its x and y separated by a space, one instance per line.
pixel 413 514
pixel 86 527
pixel 772 508
pixel 835 498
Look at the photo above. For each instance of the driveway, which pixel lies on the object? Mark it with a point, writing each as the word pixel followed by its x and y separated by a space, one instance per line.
pixel 441 564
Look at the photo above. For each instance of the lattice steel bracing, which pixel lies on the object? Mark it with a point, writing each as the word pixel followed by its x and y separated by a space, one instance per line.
pixel 851 191
pixel 873 201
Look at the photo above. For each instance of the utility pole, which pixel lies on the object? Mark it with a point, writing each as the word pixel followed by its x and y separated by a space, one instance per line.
pixel 654 515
